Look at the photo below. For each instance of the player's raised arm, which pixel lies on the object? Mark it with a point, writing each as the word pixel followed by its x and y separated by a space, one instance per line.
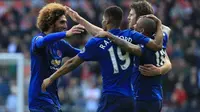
pixel 52 37
pixel 157 43
pixel 92 29
pixel 68 66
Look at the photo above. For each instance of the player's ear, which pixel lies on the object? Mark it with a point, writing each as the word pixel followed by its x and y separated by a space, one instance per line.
pixel 142 30
pixel 109 21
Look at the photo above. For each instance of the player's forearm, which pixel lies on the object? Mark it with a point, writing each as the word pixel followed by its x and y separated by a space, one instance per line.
pixel 157 43
pixel 64 69
pixel 159 36
pixel 50 38
pixel 92 29
pixel 126 46
pixel 166 67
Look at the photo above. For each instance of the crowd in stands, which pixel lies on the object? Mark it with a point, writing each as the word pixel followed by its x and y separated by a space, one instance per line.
pixel 82 89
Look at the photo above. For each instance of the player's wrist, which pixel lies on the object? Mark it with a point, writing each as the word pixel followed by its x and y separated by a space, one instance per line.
pixel 80 20
pixel 68 33
pixel 108 35
pixel 159 71
pixel 51 79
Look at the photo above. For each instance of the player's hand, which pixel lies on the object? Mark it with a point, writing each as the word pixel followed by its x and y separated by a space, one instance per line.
pixel 73 14
pixel 149 70
pixel 157 20
pixel 102 34
pixel 46 83
pixel 77 29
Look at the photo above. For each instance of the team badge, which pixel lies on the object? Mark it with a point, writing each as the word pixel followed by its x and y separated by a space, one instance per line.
pixel 55 62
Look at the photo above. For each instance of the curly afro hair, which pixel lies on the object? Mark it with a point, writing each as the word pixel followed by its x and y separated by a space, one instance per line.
pixel 49 14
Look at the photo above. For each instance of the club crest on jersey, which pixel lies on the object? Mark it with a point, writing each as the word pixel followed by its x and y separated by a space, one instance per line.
pixel 59 53
pixel 55 62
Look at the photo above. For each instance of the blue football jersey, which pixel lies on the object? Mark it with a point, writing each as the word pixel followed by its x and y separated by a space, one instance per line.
pixel 44 62
pixel 116 65
pixel 150 88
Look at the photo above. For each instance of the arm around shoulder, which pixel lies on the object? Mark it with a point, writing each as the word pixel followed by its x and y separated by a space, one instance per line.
pixel 125 45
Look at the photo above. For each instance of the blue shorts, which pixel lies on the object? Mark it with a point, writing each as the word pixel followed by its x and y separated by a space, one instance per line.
pixel 148 106
pixel 115 103
pixel 47 108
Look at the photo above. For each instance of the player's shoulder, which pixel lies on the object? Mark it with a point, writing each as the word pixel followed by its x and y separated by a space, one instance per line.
pixel 37 36
pixel 165 37
pixel 98 39
pixel 63 41
pixel 93 41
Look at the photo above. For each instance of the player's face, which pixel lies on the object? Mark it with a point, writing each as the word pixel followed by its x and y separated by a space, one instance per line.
pixel 61 24
pixel 138 26
pixel 104 22
pixel 131 18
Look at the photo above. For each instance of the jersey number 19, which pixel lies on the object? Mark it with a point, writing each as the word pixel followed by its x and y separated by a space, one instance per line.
pixel 125 58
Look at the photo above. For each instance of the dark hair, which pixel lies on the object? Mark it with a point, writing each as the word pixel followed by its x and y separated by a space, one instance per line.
pixel 115 14
pixel 142 8
pixel 149 25
pixel 49 14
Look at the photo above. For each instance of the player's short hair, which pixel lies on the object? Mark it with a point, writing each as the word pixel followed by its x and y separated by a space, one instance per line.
pixel 149 25
pixel 114 13
pixel 49 14
pixel 142 8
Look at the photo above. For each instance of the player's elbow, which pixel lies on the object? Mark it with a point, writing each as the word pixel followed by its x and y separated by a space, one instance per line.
pixel 133 49
pixel 157 47
pixel 154 45
pixel 136 51
pixel 74 62
pixel 167 30
pixel 169 65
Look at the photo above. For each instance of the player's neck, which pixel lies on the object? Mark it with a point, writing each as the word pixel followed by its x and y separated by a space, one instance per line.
pixel 47 32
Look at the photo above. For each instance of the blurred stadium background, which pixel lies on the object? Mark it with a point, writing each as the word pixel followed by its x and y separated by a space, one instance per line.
pixel 81 91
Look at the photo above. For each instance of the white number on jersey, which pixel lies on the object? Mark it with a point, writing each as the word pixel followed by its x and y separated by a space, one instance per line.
pixel 124 57
pixel 160 57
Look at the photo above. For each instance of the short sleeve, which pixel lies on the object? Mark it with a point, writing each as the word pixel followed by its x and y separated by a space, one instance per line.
pixel 90 51
pixel 142 48
pixel 139 38
pixel 165 40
